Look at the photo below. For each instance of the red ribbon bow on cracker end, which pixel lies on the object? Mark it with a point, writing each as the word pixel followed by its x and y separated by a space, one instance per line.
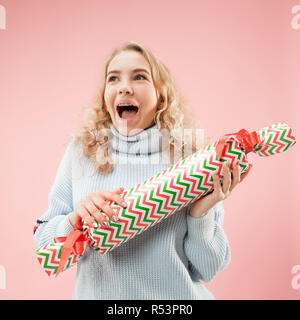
pixel 75 243
pixel 247 140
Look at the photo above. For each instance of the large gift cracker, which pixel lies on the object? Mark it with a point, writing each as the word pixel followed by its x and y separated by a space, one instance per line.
pixel 162 195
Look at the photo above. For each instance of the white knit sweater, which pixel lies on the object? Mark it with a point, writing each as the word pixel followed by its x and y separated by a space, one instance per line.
pixel 168 261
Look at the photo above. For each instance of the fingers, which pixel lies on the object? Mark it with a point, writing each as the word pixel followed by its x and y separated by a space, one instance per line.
pixel 230 180
pixel 226 178
pixel 218 192
pixel 120 190
pixel 236 175
pixel 93 208
pixel 112 196
pixel 90 209
pixel 85 215
pixel 95 205
pixel 244 175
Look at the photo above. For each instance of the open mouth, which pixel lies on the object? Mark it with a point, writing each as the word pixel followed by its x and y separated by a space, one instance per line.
pixel 127 111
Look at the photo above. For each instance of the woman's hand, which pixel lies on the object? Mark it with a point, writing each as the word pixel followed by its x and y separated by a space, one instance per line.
pixel 89 209
pixel 200 207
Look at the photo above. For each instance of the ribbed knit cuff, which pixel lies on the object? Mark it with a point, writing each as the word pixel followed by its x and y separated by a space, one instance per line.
pixel 64 227
pixel 200 229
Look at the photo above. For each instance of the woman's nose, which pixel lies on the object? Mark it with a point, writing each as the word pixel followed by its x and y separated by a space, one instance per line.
pixel 126 89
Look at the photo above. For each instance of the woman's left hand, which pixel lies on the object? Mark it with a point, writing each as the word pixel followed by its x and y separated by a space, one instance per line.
pixel 200 207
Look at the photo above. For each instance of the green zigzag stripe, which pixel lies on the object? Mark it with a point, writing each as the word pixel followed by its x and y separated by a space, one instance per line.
pixel 186 186
pixel 282 138
pixel 69 262
pixel 48 256
pixel 199 176
pixel 206 166
pixel 257 148
pixel 182 182
pixel 103 240
pixel 233 151
pixel 132 219
pixel 145 210
pixel 46 260
pixel 271 146
pixel 159 202
pixel 200 187
pixel 172 194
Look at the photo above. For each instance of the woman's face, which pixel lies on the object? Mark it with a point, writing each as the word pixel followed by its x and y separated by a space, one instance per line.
pixel 125 84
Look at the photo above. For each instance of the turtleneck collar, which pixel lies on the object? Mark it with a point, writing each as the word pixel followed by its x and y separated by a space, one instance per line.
pixel 144 143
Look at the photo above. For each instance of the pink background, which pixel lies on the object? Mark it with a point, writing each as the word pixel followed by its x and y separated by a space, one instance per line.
pixel 238 62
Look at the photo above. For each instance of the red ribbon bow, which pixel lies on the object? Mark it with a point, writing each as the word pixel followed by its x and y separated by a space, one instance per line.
pixel 75 243
pixel 247 140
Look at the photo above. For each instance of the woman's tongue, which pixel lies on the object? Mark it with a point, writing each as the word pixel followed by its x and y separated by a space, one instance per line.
pixel 128 114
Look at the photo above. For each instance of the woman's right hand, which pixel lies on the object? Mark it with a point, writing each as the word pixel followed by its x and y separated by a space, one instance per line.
pixel 89 209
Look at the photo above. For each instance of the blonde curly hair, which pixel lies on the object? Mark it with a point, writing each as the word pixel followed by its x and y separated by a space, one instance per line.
pixel 174 114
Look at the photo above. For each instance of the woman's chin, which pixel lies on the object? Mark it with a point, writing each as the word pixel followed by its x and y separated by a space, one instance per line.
pixel 128 128
pixel 132 126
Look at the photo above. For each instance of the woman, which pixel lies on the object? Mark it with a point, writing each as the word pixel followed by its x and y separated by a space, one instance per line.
pixel 118 143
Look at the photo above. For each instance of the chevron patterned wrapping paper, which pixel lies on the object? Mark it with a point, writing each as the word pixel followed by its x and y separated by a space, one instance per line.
pixel 160 196
pixel 51 256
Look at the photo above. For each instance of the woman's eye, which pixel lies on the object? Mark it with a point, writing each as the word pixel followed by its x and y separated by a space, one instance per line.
pixel 110 79
pixel 141 76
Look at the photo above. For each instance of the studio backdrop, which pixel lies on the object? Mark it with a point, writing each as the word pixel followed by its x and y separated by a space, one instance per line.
pixel 237 63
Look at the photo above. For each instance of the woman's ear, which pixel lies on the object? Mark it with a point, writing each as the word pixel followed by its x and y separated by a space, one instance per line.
pixel 160 101
pixel 105 107
pixel 159 105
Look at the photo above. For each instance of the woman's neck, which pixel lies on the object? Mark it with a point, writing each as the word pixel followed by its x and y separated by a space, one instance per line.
pixel 144 142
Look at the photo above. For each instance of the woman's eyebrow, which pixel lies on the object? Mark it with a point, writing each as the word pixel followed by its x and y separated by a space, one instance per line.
pixel 135 70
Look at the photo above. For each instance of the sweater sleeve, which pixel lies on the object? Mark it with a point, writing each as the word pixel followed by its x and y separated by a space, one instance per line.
pixel 206 245
pixel 55 221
